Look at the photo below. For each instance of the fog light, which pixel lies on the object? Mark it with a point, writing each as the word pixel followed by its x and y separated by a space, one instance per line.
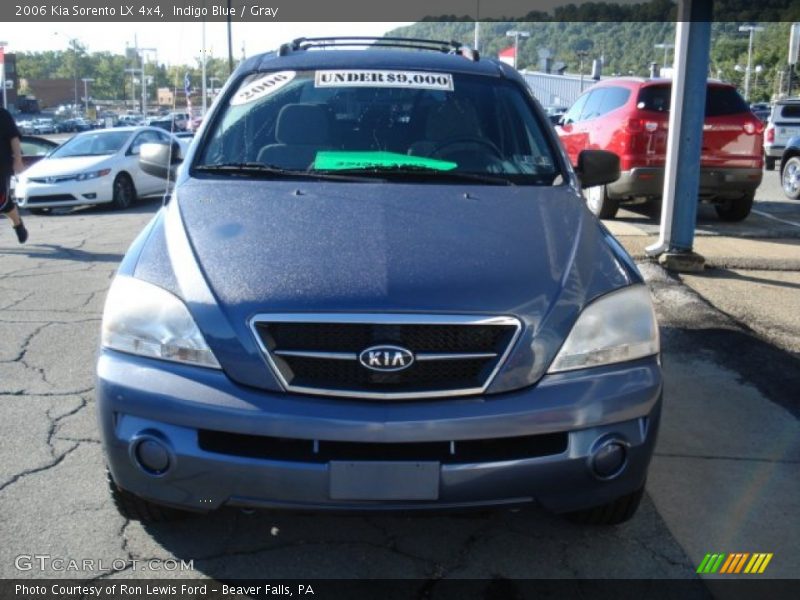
pixel 90 196
pixel 609 459
pixel 152 456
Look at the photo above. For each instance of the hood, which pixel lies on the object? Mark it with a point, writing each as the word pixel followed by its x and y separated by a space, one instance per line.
pixel 264 246
pixel 267 246
pixel 72 165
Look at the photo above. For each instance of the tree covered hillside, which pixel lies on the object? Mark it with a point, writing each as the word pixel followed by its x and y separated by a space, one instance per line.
pixel 627 47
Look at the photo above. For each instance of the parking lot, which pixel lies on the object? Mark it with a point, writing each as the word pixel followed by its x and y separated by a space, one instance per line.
pixel 723 478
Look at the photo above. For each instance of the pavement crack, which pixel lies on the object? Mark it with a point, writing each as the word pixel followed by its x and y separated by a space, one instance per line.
pixel 27 472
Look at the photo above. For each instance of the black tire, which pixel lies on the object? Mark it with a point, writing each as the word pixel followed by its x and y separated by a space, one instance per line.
pixel 124 192
pixel 39 211
pixel 790 178
pixel 599 203
pixel 735 210
pixel 613 513
pixel 769 163
pixel 133 507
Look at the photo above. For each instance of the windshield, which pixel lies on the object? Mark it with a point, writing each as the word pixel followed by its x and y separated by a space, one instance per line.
pixel 429 126
pixel 93 144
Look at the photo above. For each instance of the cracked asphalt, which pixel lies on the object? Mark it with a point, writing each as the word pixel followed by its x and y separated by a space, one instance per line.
pixel 724 477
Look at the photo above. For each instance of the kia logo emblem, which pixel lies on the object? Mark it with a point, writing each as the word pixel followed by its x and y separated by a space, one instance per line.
pixel 386 358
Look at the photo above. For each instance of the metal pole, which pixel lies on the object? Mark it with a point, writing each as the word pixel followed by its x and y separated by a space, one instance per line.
pixel 3 74
pixel 203 84
pixel 144 88
pixel 230 41
pixel 679 207
pixel 749 62
pixel 516 47
pixel 75 74
pixel 136 50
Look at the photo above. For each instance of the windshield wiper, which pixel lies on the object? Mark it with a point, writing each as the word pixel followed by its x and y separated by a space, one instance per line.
pixel 415 171
pixel 255 168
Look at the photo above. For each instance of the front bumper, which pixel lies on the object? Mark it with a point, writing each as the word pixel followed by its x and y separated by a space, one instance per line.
pixel 648 182
pixel 139 398
pixel 31 194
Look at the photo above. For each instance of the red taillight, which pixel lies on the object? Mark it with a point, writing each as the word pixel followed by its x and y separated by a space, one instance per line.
pixel 754 126
pixel 770 135
pixel 634 125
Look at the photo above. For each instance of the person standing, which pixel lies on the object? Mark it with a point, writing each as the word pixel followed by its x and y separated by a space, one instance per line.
pixel 10 164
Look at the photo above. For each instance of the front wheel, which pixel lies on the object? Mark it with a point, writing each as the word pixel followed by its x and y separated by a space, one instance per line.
pixel 599 203
pixel 735 210
pixel 124 192
pixel 613 513
pixel 790 178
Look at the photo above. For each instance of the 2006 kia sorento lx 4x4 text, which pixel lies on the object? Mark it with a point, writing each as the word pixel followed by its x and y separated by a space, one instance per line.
pixel 377 286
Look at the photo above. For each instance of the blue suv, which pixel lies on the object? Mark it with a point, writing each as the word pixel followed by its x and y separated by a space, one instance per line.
pixel 377 286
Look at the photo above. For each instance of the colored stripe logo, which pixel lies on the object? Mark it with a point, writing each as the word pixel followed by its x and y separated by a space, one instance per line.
pixel 734 563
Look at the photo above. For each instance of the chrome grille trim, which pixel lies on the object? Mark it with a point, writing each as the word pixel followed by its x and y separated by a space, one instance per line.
pixel 325 355
pixel 423 356
pixel 384 319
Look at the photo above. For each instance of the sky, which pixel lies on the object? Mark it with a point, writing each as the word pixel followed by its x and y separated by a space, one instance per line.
pixel 176 42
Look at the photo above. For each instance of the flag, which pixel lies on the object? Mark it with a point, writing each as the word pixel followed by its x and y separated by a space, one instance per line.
pixel 187 84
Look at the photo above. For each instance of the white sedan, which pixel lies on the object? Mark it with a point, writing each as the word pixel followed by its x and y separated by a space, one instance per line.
pixel 95 167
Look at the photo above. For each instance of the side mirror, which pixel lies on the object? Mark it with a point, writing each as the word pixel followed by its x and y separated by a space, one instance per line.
pixel 160 159
pixel 597 167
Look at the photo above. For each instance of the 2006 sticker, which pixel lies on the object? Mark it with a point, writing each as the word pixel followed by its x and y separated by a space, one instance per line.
pixel 263 86
pixel 370 78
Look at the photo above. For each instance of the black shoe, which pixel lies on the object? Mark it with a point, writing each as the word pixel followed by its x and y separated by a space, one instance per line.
pixel 22 233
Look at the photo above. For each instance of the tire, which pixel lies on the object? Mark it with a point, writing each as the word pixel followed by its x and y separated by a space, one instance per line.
pixel 124 192
pixel 599 203
pixel 135 508
pixel 735 210
pixel 790 178
pixel 769 163
pixel 616 512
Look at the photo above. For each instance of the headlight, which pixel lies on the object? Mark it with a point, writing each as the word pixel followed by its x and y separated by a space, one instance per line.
pixel 614 328
pixel 92 174
pixel 141 318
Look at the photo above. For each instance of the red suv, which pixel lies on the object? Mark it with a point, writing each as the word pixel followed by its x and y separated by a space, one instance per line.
pixel 629 117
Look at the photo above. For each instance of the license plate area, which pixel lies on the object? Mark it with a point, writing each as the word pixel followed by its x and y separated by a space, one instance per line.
pixel 383 480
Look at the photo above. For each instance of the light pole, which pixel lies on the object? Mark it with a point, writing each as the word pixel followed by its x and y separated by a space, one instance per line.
pixel 758 69
pixel 582 54
pixel 86 81
pixel 516 35
pixel 752 30
pixel 666 48
pixel 3 73
pixel 133 73
pixel 144 52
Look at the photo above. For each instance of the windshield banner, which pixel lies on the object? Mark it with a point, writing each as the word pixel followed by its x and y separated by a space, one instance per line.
pixel 368 78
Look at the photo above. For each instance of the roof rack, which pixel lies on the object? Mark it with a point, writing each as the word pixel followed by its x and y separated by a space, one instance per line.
pixel 450 47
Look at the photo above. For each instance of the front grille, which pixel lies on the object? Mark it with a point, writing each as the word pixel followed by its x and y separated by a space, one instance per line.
pixel 51 198
pixel 321 451
pixel 319 354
